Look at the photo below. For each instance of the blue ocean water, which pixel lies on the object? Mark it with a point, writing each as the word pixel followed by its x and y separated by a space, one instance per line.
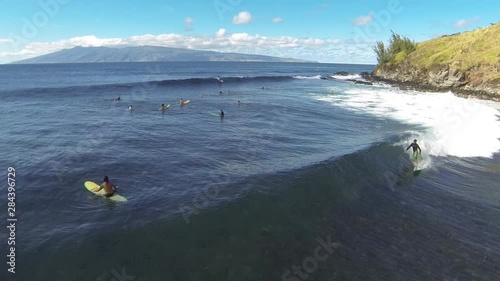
pixel 304 155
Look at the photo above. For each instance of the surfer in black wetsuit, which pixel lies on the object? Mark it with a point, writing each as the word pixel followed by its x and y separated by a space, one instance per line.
pixel 416 149
pixel 221 114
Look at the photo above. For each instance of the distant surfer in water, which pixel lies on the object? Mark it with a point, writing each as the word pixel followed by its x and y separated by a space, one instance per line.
pixel 416 150
pixel 130 107
pixel 109 187
pixel 181 102
pixel 162 107
pixel 118 99
pixel 221 114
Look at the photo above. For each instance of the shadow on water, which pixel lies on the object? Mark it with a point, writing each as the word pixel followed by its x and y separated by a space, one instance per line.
pixel 407 174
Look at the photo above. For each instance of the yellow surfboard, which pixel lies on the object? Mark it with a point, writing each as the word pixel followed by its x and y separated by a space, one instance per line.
pixel 91 186
pixel 165 107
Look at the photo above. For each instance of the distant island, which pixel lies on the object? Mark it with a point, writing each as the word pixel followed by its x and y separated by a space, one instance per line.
pixel 466 63
pixel 145 54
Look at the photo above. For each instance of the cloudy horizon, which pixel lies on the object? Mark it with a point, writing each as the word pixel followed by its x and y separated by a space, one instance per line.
pixel 324 32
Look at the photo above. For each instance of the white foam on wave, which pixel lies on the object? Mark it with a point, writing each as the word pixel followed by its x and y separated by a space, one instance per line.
pixel 347 77
pixel 316 77
pixel 454 126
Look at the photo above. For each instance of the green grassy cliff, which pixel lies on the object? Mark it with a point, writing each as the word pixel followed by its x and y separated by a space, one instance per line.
pixel 467 63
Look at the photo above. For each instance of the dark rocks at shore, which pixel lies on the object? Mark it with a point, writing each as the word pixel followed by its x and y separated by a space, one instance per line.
pixel 342 73
pixel 355 81
pixel 367 78
pixel 417 86
pixel 438 81
pixel 435 80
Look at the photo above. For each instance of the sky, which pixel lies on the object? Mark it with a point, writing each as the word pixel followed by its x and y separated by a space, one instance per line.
pixel 328 31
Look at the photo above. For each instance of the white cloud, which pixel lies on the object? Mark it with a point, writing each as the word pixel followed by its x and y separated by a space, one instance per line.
pixel 363 20
pixel 6 40
pixel 325 50
pixel 188 22
pixel 277 20
pixel 242 18
pixel 220 33
pixel 460 23
pixel 90 41
pixel 465 23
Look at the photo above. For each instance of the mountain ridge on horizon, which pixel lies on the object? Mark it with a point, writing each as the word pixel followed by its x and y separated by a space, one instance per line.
pixel 146 54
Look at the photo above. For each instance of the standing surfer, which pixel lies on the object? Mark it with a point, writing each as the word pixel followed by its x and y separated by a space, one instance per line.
pixel 416 150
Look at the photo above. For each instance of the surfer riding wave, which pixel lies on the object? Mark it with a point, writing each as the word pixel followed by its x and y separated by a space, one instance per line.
pixel 416 150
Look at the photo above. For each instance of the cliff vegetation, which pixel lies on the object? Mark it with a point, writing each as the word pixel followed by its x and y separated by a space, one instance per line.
pixel 467 63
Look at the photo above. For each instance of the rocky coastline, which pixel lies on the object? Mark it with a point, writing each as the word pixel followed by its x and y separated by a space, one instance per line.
pixel 438 82
pixel 439 79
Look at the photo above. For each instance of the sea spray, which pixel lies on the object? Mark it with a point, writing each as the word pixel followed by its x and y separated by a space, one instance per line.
pixel 453 126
